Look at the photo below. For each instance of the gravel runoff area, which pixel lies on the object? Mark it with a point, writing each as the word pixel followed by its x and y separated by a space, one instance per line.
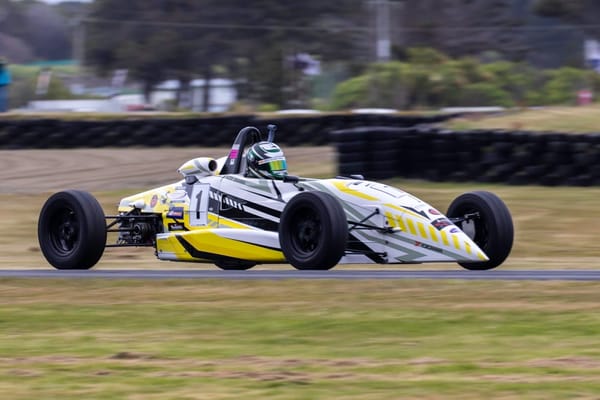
pixel 40 171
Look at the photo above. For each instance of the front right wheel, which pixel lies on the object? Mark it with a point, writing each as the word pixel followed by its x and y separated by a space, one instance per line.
pixel 313 231
pixel 488 223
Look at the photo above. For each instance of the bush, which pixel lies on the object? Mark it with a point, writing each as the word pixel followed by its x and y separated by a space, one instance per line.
pixel 485 94
pixel 351 93
pixel 267 107
pixel 425 56
pixel 430 79
pixel 564 83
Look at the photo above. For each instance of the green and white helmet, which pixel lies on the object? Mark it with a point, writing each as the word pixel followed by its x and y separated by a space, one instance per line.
pixel 266 160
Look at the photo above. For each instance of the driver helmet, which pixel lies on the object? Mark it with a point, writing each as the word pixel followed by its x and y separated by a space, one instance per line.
pixel 266 160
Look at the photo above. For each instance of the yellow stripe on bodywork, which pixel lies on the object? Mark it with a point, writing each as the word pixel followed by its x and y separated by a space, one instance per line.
pixel 213 220
pixel 411 226
pixel 170 244
pixel 481 256
pixel 210 242
pixel 433 233
pixel 341 186
pixel 422 231
pixel 456 242
pixel 401 223
pixel 468 247
pixel 445 238
pixel 404 210
pixel 390 219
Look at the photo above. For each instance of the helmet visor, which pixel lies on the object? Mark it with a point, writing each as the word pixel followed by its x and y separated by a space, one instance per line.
pixel 276 166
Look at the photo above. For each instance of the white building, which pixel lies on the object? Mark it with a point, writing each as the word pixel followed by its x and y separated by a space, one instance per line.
pixel 222 95
pixel 591 53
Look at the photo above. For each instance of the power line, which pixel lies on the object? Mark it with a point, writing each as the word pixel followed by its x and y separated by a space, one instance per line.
pixel 337 28
pixel 192 25
pixel 502 28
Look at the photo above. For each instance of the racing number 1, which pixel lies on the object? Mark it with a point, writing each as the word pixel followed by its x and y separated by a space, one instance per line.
pixel 199 205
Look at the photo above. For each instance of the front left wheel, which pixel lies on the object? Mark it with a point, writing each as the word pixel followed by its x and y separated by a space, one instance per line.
pixel 313 231
pixel 72 230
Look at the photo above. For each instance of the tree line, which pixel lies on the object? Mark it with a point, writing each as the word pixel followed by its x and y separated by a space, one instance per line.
pixel 33 31
pixel 255 43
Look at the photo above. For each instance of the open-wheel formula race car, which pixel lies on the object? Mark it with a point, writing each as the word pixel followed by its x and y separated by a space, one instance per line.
pixel 218 214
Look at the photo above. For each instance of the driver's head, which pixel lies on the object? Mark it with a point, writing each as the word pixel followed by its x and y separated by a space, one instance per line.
pixel 266 160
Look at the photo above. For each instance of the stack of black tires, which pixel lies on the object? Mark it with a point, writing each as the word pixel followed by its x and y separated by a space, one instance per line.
pixel 313 130
pixel 546 158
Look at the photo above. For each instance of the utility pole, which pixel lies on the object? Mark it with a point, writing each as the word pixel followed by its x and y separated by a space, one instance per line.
pixel 382 29
pixel 79 41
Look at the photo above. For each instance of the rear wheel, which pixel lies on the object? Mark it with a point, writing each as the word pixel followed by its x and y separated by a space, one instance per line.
pixel 313 231
pixel 491 229
pixel 228 265
pixel 72 230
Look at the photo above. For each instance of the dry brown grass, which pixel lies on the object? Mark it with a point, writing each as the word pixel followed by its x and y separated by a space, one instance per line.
pixel 558 119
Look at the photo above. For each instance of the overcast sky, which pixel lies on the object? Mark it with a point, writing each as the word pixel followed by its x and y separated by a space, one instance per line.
pixel 60 1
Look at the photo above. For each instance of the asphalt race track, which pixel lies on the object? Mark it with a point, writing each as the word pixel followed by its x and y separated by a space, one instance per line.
pixel 537 275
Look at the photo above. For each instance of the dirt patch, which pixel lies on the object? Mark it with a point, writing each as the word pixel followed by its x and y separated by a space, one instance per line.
pixel 567 362
pixel 126 355
pixel 306 371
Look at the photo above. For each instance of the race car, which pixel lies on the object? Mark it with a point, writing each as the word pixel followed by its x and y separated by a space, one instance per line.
pixel 244 209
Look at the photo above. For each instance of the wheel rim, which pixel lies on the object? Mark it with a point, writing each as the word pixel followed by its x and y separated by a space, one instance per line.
pixel 64 230
pixel 306 234
pixel 478 232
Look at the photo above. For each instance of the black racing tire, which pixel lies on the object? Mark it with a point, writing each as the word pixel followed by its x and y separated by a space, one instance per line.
pixel 72 230
pixel 313 231
pixel 494 231
pixel 234 265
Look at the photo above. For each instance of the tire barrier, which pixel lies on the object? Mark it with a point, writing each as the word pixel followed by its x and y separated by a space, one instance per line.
pixel 518 158
pixel 205 131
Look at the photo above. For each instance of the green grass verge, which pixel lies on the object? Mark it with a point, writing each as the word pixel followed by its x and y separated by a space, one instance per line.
pixel 99 339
